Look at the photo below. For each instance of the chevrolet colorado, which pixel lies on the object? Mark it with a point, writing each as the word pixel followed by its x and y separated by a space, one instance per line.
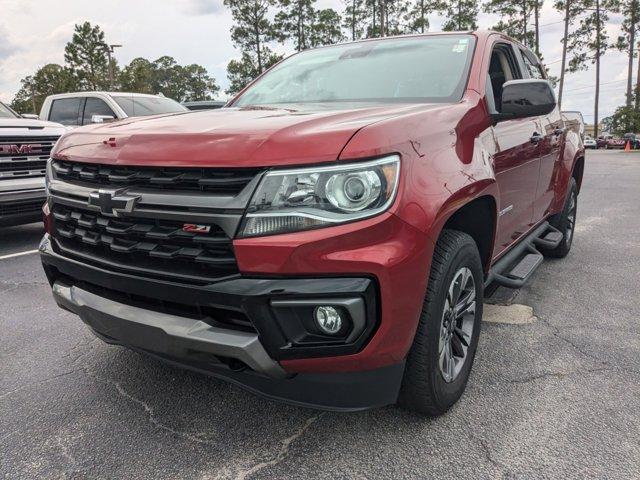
pixel 326 238
pixel 25 145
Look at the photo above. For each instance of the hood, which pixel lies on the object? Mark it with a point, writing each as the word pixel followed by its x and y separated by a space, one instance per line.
pixel 230 137
pixel 24 126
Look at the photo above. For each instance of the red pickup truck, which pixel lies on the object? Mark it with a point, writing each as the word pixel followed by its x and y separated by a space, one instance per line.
pixel 326 238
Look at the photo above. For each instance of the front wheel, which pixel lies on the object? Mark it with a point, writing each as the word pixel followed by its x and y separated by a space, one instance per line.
pixel 440 359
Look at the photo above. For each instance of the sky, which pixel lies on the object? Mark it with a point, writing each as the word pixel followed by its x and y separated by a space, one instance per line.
pixel 34 33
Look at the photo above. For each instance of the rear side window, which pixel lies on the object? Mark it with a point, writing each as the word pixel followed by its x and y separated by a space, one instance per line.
pixel 95 106
pixel 532 66
pixel 65 111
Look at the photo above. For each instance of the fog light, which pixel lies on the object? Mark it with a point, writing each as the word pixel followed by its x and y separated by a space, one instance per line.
pixel 328 319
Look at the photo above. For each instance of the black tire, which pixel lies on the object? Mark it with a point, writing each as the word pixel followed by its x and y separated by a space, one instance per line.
pixel 565 221
pixel 424 388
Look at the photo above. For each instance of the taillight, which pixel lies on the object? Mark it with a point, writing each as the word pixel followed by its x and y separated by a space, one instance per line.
pixel 46 218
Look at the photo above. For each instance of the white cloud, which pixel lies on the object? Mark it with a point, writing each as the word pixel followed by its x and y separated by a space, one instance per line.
pixel 7 46
pixel 202 7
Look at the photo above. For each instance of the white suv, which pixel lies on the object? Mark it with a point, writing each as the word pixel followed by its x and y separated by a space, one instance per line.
pixel 83 108
pixel 589 142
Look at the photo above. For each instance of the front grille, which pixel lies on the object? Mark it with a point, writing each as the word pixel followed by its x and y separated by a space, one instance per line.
pixel 29 207
pixel 24 156
pixel 227 181
pixel 151 247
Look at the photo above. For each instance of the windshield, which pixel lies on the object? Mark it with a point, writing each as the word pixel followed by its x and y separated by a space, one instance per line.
pixel 6 112
pixel 416 69
pixel 138 106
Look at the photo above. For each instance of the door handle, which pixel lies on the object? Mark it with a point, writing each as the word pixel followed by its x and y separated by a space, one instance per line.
pixel 536 138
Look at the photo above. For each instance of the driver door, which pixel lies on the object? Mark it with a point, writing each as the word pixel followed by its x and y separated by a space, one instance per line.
pixel 517 158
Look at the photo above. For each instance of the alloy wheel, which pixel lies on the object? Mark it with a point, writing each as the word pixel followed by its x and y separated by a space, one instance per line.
pixel 458 319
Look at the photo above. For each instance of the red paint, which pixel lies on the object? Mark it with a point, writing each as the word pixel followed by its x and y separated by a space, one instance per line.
pixel 450 155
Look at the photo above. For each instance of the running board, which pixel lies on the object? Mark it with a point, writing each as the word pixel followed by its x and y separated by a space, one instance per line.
pixel 516 267
pixel 552 238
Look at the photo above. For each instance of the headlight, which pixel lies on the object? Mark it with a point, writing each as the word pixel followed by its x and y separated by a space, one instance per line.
pixel 305 198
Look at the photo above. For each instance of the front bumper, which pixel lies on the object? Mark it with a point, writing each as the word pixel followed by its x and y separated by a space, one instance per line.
pixel 108 302
pixel 164 333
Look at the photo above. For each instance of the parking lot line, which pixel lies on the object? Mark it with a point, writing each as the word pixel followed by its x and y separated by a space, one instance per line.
pixel 19 254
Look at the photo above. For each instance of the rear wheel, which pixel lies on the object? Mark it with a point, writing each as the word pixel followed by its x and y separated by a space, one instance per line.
pixel 440 359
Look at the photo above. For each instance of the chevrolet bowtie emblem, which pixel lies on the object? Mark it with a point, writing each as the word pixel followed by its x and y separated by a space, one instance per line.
pixel 113 202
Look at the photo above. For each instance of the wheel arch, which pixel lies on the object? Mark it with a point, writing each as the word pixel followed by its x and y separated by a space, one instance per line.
pixel 577 171
pixel 477 218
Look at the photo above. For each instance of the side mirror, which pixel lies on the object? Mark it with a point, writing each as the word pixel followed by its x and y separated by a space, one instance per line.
pixel 102 118
pixel 30 116
pixel 527 98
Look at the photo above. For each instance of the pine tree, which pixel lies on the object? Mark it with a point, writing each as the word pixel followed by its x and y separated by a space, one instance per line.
pixel 86 56
pixel 461 14
pixel 570 10
pixel 199 85
pixel 395 13
pixel 182 83
pixel 515 18
pixel 253 29
pixel 167 78
pixel 243 71
pixel 326 28
pixel 627 42
pixel 387 17
pixel 416 18
pixel 589 42
pixel 138 76
pixel 354 18
pixel 299 21
pixel 294 21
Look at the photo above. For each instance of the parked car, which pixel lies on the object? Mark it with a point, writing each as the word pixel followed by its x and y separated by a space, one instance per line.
pixel 633 139
pixel 574 120
pixel 615 142
pixel 84 108
pixel 204 105
pixel 589 142
pixel 25 145
pixel 602 140
pixel 286 243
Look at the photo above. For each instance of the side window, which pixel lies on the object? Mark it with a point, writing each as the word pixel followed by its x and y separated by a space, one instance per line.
pixel 532 65
pixel 502 68
pixel 65 111
pixel 95 106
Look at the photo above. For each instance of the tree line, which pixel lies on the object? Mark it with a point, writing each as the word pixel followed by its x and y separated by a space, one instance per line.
pixel 259 26
pixel 87 68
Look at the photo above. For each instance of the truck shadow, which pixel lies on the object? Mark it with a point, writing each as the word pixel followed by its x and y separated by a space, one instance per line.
pixel 20 238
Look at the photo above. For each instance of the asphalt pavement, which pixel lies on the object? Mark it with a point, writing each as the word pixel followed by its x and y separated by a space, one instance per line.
pixel 554 396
